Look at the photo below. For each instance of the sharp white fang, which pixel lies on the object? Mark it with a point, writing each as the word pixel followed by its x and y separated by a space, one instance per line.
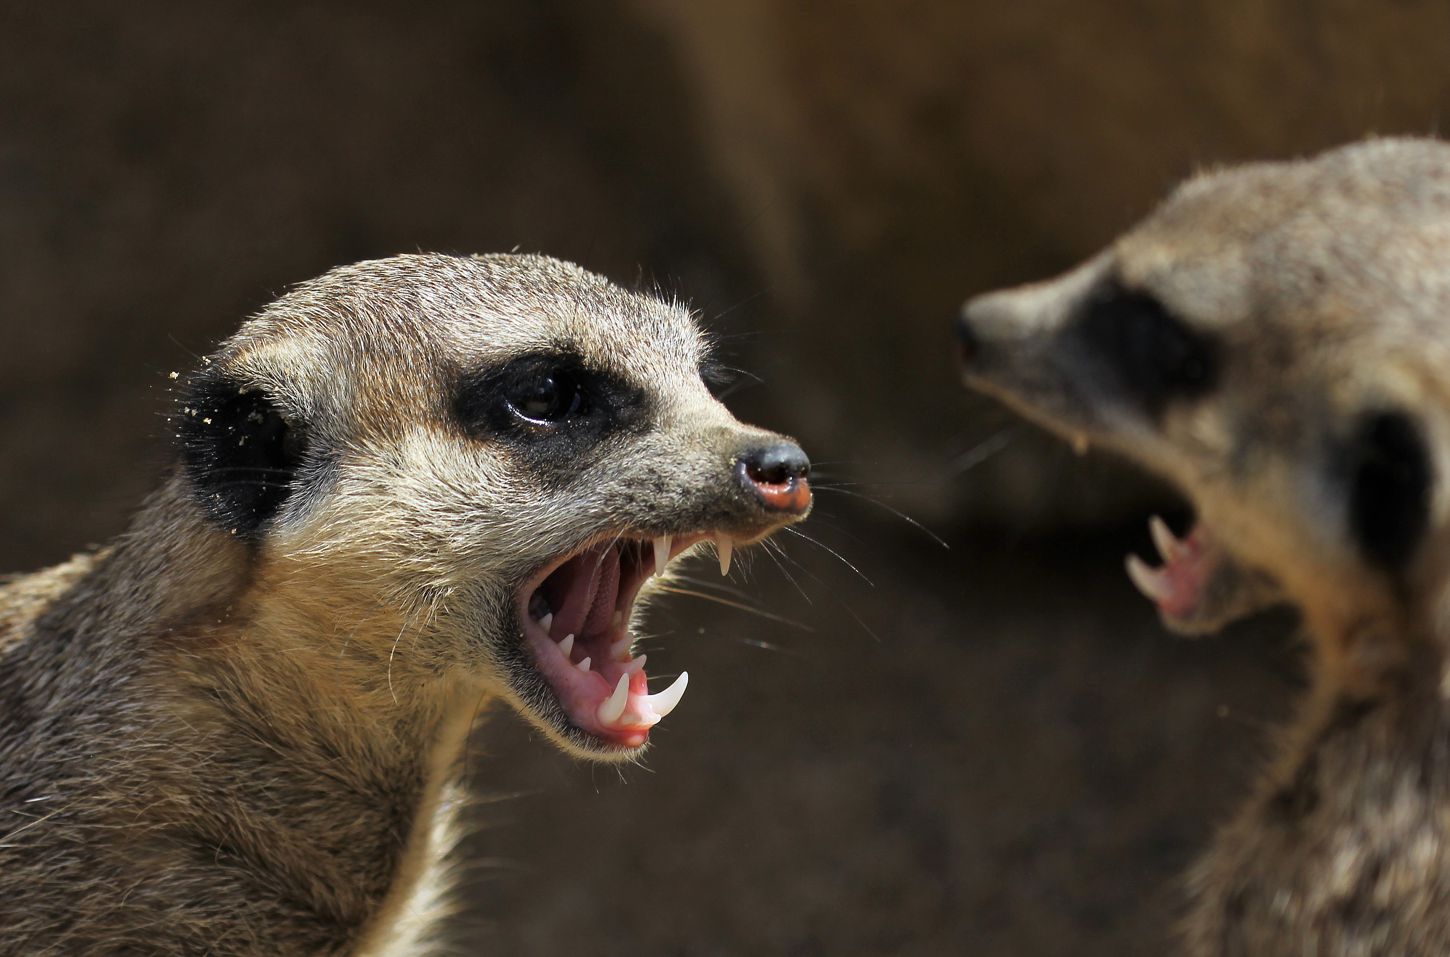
pixel 546 621
pixel 620 649
pixel 662 553
pixel 724 547
pixel 584 665
pixel 611 709
pixel 1163 539
pixel 1150 581
pixel 664 702
pixel 567 645
pixel 631 667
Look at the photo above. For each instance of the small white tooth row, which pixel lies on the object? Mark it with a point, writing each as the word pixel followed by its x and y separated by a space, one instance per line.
pixel 611 709
pixel 724 547
pixel 619 651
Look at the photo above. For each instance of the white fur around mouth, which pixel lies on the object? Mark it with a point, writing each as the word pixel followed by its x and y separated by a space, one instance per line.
pixel 576 615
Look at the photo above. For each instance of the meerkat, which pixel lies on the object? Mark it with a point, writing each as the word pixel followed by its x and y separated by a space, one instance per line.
pixel 1274 340
pixel 404 488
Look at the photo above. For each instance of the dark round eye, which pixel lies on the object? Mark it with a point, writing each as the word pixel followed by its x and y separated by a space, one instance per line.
pixel 550 395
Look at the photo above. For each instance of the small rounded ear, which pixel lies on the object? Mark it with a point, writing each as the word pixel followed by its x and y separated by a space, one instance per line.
pixel 1391 478
pixel 240 452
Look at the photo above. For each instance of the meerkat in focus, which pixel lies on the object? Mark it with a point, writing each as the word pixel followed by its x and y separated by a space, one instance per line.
pixel 405 487
pixel 1275 341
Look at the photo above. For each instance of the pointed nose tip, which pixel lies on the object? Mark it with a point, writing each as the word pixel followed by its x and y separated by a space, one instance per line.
pixel 778 476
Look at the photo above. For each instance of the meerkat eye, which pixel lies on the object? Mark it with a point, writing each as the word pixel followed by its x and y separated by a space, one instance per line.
pixel 544 397
pixel 1152 354
pixel 549 395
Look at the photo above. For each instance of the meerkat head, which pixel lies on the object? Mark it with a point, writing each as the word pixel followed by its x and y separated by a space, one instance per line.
pixel 471 468
pixel 1274 340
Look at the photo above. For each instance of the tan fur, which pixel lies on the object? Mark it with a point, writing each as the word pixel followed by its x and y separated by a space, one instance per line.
pixel 224 739
pixel 1326 286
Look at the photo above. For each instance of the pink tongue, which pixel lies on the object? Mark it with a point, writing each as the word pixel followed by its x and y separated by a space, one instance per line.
pixel 585 591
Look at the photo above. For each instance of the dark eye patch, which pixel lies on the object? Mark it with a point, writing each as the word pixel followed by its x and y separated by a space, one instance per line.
pixel 551 404
pixel 1153 356
pixel 1390 480
pixel 240 452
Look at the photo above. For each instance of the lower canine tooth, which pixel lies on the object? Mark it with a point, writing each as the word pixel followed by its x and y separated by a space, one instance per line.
pixel 664 702
pixel 584 665
pixel 724 547
pixel 620 649
pixel 567 645
pixel 630 667
pixel 662 553
pixel 612 708
pixel 1150 581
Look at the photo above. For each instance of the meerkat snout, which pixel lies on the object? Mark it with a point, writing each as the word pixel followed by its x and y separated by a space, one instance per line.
pixel 777 476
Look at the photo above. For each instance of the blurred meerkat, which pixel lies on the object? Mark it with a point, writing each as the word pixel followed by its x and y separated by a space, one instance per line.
pixel 405 487
pixel 1275 340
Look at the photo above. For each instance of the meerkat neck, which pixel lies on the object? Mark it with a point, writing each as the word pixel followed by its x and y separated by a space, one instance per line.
pixel 225 696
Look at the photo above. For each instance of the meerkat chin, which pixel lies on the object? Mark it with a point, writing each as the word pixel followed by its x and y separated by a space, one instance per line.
pixel 403 488
pixel 1274 340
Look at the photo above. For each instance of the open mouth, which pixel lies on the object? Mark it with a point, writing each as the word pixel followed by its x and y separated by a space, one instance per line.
pixel 575 616
pixel 1201 586
pixel 1178 586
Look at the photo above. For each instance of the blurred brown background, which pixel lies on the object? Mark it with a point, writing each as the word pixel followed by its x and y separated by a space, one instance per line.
pixel 991 748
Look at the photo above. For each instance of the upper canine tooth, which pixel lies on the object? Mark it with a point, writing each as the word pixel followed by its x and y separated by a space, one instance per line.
pixel 664 702
pixel 567 645
pixel 546 621
pixel 612 708
pixel 662 553
pixel 1164 540
pixel 1150 581
pixel 725 548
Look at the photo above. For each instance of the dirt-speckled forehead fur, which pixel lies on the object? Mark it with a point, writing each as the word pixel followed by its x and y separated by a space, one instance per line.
pixel 408 324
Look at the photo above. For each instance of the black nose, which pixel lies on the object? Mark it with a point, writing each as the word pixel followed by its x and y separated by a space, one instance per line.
pixel 967 344
pixel 777 475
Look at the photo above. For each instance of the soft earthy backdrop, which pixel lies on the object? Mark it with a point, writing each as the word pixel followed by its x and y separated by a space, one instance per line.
pixel 991 748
